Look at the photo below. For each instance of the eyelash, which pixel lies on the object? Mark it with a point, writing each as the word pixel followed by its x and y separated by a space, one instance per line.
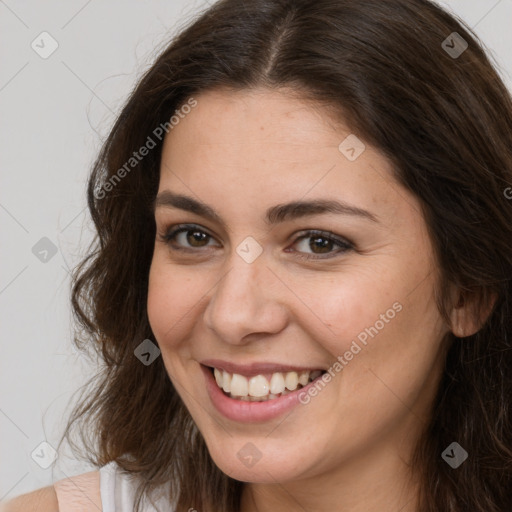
pixel 345 246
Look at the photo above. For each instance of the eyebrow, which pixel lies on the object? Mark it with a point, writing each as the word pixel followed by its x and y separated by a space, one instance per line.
pixel 274 215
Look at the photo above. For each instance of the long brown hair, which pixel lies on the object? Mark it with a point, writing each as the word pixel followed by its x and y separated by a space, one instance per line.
pixel 443 117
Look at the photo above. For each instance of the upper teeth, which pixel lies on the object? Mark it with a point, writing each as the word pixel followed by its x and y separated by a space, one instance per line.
pixel 259 386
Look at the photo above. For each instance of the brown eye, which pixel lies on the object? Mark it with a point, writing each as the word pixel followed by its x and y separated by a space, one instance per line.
pixel 318 243
pixel 186 237
pixel 311 244
pixel 324 245
pixel 196 238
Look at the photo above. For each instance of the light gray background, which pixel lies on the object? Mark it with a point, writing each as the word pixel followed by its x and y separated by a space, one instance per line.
pixel 53 114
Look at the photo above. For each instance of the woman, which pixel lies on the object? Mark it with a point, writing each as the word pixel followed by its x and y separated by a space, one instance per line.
pixel 301 286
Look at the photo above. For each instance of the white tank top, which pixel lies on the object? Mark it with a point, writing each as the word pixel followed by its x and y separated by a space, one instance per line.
pixel 108 485
pixel 118 492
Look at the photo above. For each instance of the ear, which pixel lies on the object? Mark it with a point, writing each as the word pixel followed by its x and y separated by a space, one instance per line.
pixel 470 310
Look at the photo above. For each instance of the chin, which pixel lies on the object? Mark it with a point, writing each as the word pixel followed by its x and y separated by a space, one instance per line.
pixel 256 460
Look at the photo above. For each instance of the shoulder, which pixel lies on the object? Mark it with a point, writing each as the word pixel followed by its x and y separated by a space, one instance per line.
pixel 80 492
pixel 40 500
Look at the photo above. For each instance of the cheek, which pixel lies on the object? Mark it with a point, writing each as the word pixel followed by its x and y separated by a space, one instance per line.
pixel 374 319
pixel 172 299
pixel 345 306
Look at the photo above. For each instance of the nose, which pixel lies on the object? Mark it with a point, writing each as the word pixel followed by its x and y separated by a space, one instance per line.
pixel 246 303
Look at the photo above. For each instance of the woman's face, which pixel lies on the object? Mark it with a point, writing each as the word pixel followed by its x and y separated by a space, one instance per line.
pixel 249 289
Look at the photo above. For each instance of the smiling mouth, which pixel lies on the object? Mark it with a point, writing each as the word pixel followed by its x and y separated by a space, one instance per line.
pixel 261 388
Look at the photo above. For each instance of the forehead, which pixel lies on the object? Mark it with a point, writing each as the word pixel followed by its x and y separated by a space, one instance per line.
pixel 276 117
pixel 252 149
pixel 268 133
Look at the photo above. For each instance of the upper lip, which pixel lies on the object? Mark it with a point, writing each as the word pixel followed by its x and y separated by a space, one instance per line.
pixel 252 369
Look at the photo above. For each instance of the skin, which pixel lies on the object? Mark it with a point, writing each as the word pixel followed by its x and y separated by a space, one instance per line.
pixel 350 446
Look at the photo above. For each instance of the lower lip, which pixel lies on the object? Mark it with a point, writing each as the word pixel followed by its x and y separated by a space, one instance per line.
pixel 250 412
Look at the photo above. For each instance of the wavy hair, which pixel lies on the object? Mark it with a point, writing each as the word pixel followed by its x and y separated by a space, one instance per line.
pixel 445 123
